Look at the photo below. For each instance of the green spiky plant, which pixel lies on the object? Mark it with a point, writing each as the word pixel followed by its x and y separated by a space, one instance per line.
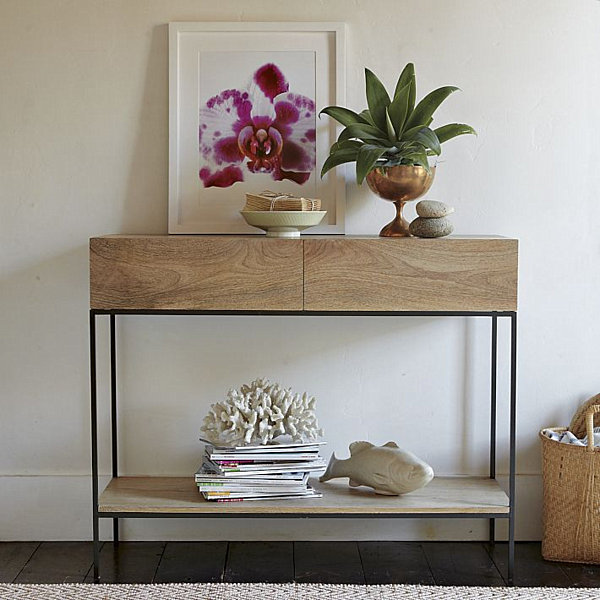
pixel 392 131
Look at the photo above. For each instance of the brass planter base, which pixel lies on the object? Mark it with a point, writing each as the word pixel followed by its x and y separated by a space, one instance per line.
pixel 399 185
pixel 398 227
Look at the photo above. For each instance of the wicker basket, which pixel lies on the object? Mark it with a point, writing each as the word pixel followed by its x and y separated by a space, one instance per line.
pixel 571 476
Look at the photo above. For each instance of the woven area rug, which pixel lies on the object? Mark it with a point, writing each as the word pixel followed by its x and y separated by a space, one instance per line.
pixel 292 591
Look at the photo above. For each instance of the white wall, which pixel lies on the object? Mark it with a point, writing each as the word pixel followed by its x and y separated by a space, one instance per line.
pixel 83 152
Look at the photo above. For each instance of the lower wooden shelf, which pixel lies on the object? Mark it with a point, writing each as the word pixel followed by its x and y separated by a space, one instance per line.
pixel 446 496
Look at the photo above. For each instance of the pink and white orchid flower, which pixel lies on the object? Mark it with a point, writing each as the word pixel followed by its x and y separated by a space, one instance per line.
pixel 267 126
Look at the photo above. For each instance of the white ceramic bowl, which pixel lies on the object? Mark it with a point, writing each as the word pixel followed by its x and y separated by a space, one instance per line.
pixel 283 223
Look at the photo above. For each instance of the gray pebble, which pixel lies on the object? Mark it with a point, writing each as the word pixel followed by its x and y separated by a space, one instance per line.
pixel 431 228
pixel 433 209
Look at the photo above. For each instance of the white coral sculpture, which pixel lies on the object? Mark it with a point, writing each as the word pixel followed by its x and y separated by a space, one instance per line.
pixel 258 413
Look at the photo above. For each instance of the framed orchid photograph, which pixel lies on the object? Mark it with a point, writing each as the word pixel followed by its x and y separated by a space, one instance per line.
pixel 244 102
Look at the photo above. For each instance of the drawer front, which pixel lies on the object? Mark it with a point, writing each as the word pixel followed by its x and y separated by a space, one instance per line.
pixel 386 274
pixel 195 273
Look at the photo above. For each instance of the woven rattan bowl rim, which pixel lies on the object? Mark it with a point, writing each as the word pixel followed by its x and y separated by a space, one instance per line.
pixel 563 447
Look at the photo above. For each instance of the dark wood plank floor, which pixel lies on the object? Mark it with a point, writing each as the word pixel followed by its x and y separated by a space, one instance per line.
pixel 441 563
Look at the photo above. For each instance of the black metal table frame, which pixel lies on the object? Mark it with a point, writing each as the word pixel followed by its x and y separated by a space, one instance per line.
pixel 493 315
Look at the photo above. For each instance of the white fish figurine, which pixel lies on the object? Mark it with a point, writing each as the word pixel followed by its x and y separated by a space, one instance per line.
pixel 388 469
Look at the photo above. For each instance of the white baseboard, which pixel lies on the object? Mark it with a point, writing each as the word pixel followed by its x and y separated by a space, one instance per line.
pixel 52 508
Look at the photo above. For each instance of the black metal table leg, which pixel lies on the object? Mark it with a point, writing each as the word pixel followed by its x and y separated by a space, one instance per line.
pixel 493 406
pixel 513 442
pixel 94 436
pixel 113 411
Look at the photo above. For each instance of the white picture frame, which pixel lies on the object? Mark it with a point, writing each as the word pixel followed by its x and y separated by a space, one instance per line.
pixel 205 60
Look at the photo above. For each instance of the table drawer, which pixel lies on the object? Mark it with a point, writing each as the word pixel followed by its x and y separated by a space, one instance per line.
pixel 386 274
pixel 195 273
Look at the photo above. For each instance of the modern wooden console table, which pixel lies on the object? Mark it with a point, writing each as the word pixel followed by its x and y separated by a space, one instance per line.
pixel 329 276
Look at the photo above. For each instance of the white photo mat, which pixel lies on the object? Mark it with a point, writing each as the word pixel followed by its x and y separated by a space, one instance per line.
pixel 205 60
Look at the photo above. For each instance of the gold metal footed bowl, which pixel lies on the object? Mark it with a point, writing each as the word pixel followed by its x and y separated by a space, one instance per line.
pixel 399 185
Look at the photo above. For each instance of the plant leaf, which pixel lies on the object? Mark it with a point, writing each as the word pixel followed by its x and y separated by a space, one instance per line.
pixel 398 109
pixel 345 145
pixel 390 128
pixel 338 158
pixel 409 133
pixel 447 132
pixel 365 160
pixel 366 115
pixel 426 137
pixel 428 105
pixel 345 116
pixel 407 77
pixel 377 98
pixel 407 146
pixel 419 158
pixel 363 132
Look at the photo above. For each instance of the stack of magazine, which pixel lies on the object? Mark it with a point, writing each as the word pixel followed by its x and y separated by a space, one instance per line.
pixel 268 472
